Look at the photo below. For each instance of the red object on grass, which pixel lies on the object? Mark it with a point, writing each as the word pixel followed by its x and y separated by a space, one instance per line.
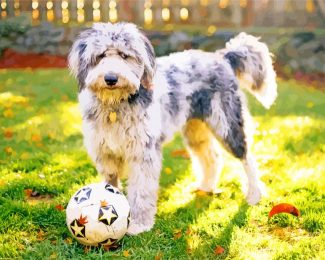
pixel 284 208
pixel 12 59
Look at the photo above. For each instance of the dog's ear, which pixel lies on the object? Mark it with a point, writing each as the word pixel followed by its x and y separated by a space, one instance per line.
pixel 149 63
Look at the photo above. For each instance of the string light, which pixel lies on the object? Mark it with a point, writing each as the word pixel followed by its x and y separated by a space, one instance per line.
pixel 112 11
pixel 96 11
pixel 49 12
pixel 243 3
pixel 16 7
pixel 3 7
pixel 35 12
pixel 147 16
pixel 223 3
pixel 204 2
pixel 65 11
pixel 80 11
pixel 183 13
pixel 165 14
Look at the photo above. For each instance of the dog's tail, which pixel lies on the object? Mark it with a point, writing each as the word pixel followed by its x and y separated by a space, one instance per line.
pixel 252 62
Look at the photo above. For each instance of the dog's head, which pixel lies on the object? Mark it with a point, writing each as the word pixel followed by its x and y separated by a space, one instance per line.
pixel 112 60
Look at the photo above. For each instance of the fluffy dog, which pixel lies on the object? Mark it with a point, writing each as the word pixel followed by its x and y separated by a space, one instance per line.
pixel 132 102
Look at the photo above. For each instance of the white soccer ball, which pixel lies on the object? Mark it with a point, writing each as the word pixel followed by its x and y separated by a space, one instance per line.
pixel 98 214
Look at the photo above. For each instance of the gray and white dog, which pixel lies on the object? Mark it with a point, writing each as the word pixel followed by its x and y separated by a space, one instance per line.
pixel 132 102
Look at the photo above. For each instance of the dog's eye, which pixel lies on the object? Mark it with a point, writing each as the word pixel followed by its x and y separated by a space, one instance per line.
pixel 123 55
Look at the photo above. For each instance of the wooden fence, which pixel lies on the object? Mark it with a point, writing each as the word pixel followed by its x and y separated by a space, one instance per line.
pixel 160 12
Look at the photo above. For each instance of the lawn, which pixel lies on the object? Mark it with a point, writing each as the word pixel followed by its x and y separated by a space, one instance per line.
pixel 41 151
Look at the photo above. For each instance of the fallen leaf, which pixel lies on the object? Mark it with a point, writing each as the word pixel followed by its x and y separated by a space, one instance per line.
pixel 177 234
pixel 8 150
pixel 64 98
pixel 8 133
pixel 219 250
pixel 8 113
pixel 59 207
pixel 168 170
pixel 126 253
pixel 284 208
pixel 158 256
pixel 68 241
pixel 180 153
pixel 28 192
pixel 83 220
pixel 202 193
pixel 188 231
pixel 40 235
pixel 36 138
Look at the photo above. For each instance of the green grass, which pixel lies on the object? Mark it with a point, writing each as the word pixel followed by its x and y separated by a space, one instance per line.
pixel 45 154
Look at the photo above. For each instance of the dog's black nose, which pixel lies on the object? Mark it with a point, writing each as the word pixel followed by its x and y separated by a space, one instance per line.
pixel 110 79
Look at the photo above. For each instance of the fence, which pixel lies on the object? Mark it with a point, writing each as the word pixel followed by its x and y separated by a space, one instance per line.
pixel 159 12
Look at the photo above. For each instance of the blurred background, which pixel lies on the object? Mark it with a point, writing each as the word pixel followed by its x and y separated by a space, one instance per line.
pixel 39 33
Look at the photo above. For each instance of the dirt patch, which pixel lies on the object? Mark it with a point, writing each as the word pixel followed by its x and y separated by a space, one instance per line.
pixel 12 59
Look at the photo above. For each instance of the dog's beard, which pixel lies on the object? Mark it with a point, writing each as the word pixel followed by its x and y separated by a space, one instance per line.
pixel 113 96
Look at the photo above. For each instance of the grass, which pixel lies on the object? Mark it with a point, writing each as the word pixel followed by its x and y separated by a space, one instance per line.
pixel 41 150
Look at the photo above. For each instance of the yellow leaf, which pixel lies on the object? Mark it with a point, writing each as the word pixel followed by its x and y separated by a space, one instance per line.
pixel 8 150
pixel 8 133
pixel 8 113
pixel 168 170
pixel 126 253
pixel 36 138
pixel 112 117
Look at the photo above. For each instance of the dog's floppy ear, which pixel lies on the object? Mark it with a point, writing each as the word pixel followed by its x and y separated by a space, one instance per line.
pixel 149 63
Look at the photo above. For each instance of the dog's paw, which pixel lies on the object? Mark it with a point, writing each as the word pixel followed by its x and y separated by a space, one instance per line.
pixel 135 229
pixel 255 193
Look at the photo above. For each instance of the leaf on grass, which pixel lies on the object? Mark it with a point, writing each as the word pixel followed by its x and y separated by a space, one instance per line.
pixel 126 253
pixel 168 170
pixel 68 241
pixel 9 150
pixel 177 234
pixel 28 192
pixel 284 208
pixel 40 235
pixel 8 133
pixel 8 113
pixel 158 256
pixel 180 153
pixel 188 231
pixel 36 138
pixel 87 249
pixel 59 207
pixel 219 250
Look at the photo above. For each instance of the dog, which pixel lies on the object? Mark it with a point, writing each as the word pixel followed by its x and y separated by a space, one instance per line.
pixel 132 102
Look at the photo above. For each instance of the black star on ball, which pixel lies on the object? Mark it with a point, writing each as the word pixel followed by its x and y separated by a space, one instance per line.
pixel 82 195
pixel 77 228
pixel 112 189
pixel 107 215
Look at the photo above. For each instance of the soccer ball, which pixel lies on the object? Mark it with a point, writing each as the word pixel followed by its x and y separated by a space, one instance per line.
pixel 98 214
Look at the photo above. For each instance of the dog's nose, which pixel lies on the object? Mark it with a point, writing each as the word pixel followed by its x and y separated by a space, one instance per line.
pixel 110 79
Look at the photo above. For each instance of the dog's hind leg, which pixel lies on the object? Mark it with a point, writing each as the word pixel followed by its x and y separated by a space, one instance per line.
pixel 227 123
pixel 203 150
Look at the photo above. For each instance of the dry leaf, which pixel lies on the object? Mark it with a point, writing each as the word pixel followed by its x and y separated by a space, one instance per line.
pixel 8 150
pixel 168 170
pixel 188 231
pixel 83 220
pixel 36 138
pixel 8 133
pixel 126 253
pixel 158 256
pixel 59 207
pixel 40 235
pixel 177 234
pixel 180 153
pixel 28 192
pixel 8 113
pixel 68 241
pixel 64 98
pixel 219 250
pixel 284 208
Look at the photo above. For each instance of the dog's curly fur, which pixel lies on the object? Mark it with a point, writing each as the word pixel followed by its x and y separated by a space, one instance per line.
pixel 194 92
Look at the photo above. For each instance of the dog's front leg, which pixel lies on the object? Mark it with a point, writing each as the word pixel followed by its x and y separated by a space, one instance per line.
pixel 143 184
